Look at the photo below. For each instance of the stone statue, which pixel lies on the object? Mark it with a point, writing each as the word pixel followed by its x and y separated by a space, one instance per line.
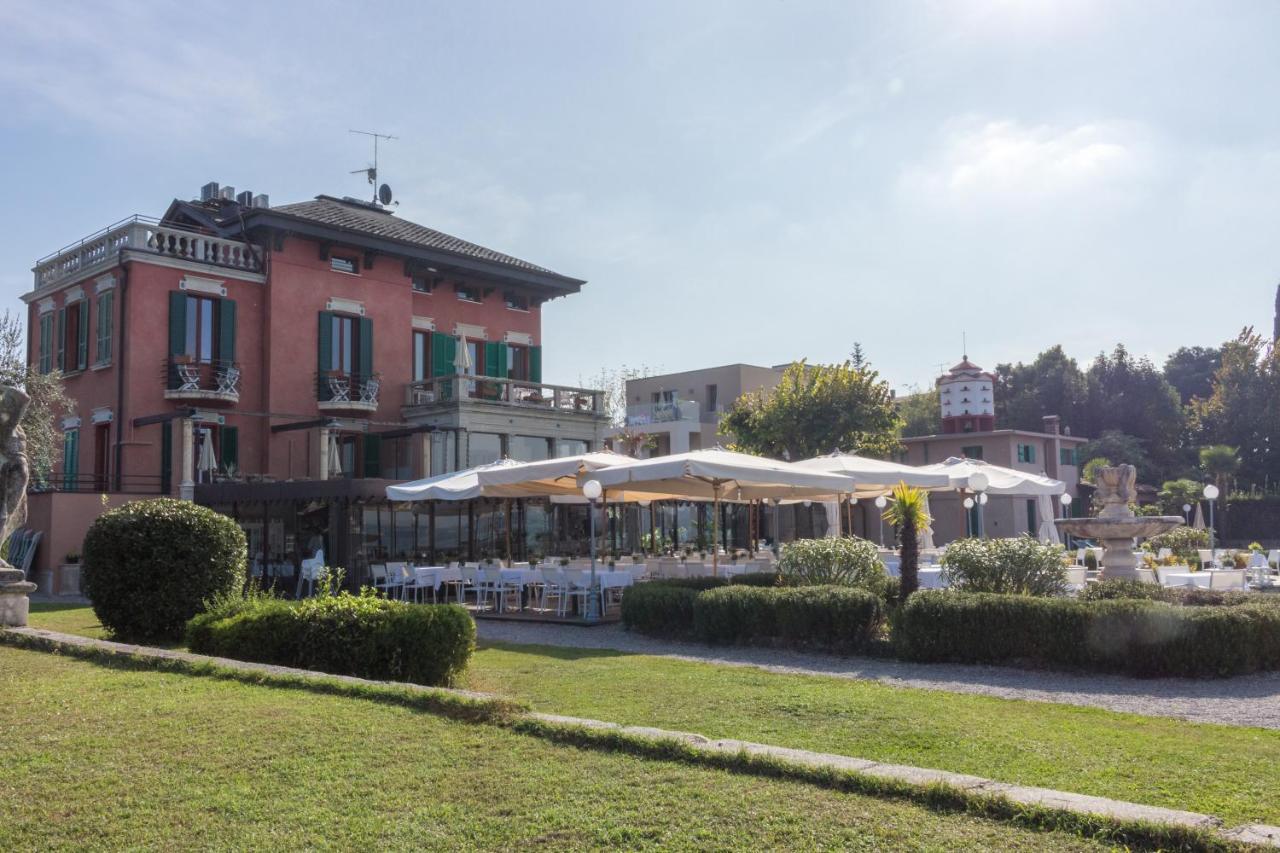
pixel 1117 488
pixel 14 474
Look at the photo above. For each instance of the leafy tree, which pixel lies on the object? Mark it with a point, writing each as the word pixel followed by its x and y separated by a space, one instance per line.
pixel 1131 396
pixel 49 400
pixel 920 411
pixel 1053 384
pixel 1175 494
pixel 816 409
pixel 1119 448
pixel 906 511
pixel 1244 409
pixel 613 382
pixel 1190 370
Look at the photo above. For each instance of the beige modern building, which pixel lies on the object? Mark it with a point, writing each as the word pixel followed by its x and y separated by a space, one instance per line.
pixel 1051 452
pixel 680 412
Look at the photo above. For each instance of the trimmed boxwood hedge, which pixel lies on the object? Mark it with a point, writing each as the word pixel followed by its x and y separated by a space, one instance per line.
pixel 149 565
pixel 343 634
pixel 1137 637
pixel 829 617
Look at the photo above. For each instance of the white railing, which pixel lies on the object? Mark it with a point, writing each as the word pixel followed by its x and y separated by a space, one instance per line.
pixel 511 392
pixel 100 250
pixel 662 413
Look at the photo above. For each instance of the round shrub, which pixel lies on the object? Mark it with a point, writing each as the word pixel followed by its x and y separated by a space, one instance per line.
pixel 1019 565
pixel 842 561
pixel 149 565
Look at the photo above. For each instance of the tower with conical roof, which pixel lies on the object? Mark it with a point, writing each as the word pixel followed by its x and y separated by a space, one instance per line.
pixel 968 401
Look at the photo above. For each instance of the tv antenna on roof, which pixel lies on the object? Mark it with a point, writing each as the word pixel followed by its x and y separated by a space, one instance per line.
pixel 381 194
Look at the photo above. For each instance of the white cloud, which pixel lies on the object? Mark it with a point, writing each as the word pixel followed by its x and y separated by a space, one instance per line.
pixel 1007 163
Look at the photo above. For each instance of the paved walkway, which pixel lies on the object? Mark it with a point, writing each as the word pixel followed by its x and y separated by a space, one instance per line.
pixel 1119 810
pixel 1251 700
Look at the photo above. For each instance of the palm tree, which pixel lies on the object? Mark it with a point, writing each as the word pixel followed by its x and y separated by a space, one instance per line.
pixel 906 511
pixel 1220 462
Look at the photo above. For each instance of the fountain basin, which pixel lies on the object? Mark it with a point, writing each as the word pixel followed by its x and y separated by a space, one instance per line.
pixel 1116 535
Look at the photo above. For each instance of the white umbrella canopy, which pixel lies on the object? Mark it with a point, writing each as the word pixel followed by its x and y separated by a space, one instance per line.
pixel 335 458
pixel 1048 530
pixel 456 486
pixel 873 477
pixel 462 357
pixel 207 463
pixel 1002 481
pixel 925 534
pixel 1198 524
pixel 719 474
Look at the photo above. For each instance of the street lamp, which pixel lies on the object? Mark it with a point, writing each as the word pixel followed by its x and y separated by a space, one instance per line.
pixel 968 519
pixel 978 482
pixel 1186 512
pixel 881 503
pixel 1211 495
pixel 1065 500
pixel 592 491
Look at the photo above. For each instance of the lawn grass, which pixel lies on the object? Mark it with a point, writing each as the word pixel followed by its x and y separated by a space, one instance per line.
pixel 105 757
pixel 1226 771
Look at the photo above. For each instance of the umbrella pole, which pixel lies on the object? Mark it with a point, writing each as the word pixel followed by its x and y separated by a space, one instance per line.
pixel 715 536
pixel 508 527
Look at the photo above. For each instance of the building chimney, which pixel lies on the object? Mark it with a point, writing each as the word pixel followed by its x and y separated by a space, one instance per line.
pixel 209 191
pixel 1051 424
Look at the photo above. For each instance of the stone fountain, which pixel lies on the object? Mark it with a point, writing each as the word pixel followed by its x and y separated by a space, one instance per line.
pixel 14 473
pixel 1116 526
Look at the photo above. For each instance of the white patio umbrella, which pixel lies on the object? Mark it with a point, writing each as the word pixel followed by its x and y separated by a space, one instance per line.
pixel 335 457
pixel 832 509
pixel 718 474
pixel 555 477
pixel 925 534
pixel 207 463
pixel 462 357
pixel 455 486
pixel 1048 531
pixel 874 477
pixel 1198 524
pixel 1001 480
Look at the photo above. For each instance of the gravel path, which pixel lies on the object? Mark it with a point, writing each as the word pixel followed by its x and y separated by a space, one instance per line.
pixel 1251 700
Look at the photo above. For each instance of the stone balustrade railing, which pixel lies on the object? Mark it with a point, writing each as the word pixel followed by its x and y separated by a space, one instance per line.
pixel 100 250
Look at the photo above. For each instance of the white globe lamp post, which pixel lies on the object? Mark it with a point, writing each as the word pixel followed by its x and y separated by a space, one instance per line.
pixel 978 483
pixel 592 491
pixel 1211 495
pixel 881 503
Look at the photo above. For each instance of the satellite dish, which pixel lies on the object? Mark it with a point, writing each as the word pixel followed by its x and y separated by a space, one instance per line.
pixel 384 194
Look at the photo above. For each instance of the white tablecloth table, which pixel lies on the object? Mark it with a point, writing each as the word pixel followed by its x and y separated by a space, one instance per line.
pixel 1200 579
pixel 930 579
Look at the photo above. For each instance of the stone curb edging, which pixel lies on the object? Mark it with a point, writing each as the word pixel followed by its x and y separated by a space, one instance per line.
pixel 1042 798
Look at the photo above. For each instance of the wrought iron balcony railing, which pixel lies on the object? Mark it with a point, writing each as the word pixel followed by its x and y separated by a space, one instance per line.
pixel 508 392
pixel 192 379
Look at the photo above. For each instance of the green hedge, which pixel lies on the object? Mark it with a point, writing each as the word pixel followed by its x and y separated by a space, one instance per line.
pixel 661 608
pixel 149 565
pixel 1138 637
pixel 343 634
pixel 830 617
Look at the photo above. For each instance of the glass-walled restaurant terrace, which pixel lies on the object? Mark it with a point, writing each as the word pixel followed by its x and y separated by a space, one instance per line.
pixel 356 526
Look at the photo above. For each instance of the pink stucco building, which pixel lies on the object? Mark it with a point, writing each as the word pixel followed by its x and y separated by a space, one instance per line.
pixel 231 351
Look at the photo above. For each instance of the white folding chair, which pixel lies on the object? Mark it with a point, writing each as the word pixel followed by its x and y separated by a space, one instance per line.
pixel 554 586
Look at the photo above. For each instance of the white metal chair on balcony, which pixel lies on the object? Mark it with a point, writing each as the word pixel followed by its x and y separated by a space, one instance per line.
pixel 228 380
pixel 369 391
pixel 188 377
pixel 339 389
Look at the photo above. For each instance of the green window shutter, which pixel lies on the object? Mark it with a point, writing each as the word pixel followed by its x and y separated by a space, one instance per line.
pixel 46 342
pixel 501 362
pixel 102 352
pixel 60 341
pixel 535 364
pixel 227 329
pixel 82 337
pixel 364 366
pixel 70 459
pixel 444 348
pixel 166 457
pixel 492 366
pixel 373 456
pixel 177 322
pixel 230 448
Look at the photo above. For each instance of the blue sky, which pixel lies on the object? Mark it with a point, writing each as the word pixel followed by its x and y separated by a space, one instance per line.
pixel 738 181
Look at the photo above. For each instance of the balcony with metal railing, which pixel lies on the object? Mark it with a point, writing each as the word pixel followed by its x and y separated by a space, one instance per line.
pixel 99 251
pixel 662 413
pixel 340 392
pixel 206 382
pixel 518 393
